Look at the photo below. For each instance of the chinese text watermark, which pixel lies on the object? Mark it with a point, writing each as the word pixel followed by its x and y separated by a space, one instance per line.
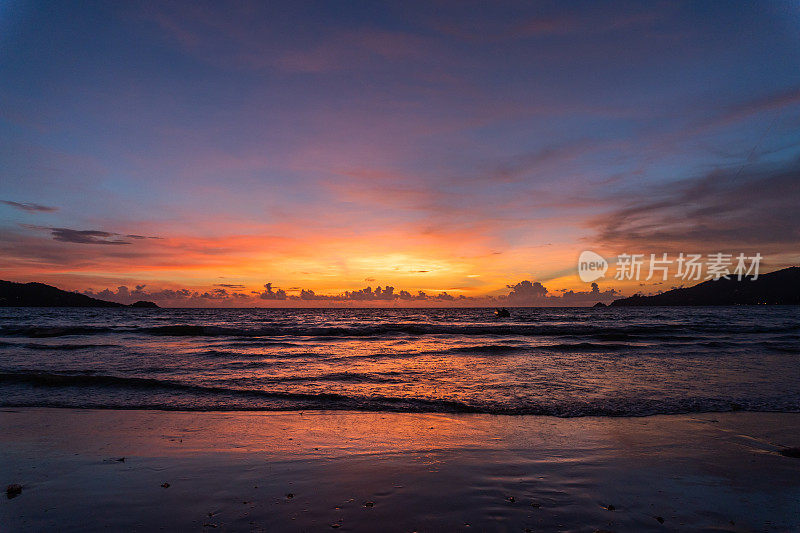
pixel 686 267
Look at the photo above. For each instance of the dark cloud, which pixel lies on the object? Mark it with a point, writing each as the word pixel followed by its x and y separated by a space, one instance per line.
pixel 269 294
pixel 308 294
pixel 590 297
pixel 86 236
pixel 33 208
pixel 229 285
pixel 407 296
pixel 533 293
pixel 524 293
pixel 216 294
pixel 170 297
pixel 527 291
pixel 367 294
pixel 139 237
pixel 724 209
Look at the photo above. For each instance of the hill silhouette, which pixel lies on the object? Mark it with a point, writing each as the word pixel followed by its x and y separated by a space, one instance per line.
pixel 781 287
pixel 40 295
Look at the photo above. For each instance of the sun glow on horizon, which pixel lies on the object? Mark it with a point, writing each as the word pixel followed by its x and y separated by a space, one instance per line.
pixel 183 150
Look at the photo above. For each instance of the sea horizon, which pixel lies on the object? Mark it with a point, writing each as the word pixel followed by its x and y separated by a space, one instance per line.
pixel 400 266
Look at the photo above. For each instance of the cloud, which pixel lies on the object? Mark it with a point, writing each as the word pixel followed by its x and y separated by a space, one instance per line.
pixel 768 103
pixel 407 296
pixel 140 237
pixel 541 163
pixel 351 50
pixel 85 236
pixel 524 293
pixel 536 21
pixel 527 291
pixel 269 294
pixel 219 297
pixel 379 294
pixel 367 294
pixel 30 207
pixel 722 209
pixel 216 294
pixel 230 285
pixel 228 37
pixel 580 298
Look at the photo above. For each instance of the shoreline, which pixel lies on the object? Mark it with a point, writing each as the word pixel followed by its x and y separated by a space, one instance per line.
pixel 365 411
pixel 361 471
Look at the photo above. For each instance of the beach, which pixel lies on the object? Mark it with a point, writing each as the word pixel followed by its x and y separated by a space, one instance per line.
pixel 400 266
pixel 400 420
pixel 91 470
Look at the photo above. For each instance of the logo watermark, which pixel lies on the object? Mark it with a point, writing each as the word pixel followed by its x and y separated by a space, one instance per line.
pixel 687 267
pixel 591 266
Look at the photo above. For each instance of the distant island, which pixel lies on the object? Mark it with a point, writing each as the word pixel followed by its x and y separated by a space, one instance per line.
pixel 40 295
pixel 781 287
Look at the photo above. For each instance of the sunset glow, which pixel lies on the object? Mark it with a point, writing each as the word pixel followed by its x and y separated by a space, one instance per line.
pixel 216 149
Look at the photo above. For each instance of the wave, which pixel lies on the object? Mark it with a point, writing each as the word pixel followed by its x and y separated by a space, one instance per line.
pixel 259 343
pixel 51 379
pixel 782 347
pixel 192 397
pixel 65 347
pixel 487 349
pixel 341 377
pixel 321 400
pixel 505 349
pixel 48 379
pixel 599 332
pixel 249 355
pixel 523 330
pixel 691 343
pixel 588 347
pixel 54 331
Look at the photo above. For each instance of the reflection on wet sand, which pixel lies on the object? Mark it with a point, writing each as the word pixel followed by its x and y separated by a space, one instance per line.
pixel 398 472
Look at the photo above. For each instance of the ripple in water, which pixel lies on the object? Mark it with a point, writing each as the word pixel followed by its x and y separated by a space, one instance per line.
pixel 561 362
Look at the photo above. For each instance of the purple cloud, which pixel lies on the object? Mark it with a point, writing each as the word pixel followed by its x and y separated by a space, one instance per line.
pixel 30 207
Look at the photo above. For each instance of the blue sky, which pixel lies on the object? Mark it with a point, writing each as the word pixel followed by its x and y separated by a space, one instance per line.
pixel 442 146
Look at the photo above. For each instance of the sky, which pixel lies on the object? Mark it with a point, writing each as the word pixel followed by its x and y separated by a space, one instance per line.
pixel 293 153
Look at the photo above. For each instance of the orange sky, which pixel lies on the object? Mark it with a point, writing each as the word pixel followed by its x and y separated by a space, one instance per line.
pixel 189 147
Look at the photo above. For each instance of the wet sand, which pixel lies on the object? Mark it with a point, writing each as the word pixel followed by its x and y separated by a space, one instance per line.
pixel 317 471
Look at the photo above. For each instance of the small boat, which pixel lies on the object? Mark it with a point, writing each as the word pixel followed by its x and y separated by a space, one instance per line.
pixel 502 312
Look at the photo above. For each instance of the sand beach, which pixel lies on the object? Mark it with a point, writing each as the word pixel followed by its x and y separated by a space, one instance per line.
pixel 91 470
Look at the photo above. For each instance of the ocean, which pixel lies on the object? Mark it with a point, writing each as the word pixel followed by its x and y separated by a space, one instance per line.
pixel 565 362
